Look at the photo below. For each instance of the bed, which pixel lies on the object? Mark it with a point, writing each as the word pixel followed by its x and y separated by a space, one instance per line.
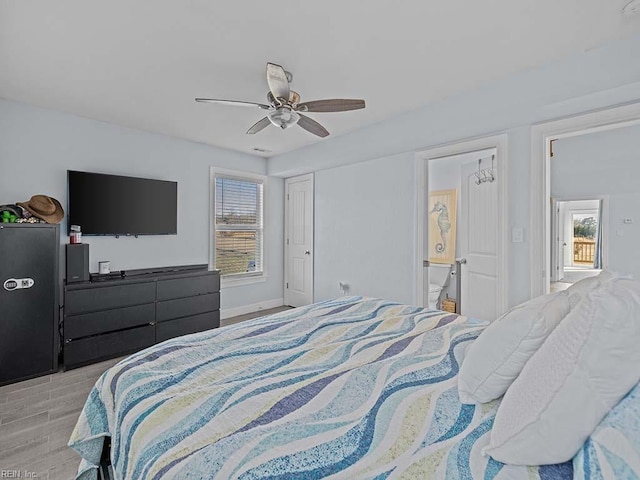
pixel 355 388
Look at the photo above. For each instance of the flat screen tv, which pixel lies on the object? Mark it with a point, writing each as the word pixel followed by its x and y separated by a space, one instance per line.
pixel 115 205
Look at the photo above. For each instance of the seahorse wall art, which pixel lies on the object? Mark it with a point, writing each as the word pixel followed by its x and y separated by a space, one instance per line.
pixel 441 217
pixel 444 225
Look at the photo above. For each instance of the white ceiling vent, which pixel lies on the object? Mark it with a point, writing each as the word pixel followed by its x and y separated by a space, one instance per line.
pixel 631 9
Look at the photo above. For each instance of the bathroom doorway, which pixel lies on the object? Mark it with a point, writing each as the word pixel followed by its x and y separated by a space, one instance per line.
pixel 463 250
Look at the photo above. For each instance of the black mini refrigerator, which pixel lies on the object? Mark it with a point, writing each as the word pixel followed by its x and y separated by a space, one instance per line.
pixel 29 307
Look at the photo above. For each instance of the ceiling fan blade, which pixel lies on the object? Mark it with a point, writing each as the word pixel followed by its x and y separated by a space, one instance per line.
pixel 235 103
pixel 259 125
pixel 333 105
pixel 312 126
pixel 277 80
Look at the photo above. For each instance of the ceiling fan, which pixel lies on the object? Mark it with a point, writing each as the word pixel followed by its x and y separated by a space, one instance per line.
pixel 284 108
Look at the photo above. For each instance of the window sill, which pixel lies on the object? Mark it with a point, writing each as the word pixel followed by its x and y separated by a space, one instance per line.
pixel 239 281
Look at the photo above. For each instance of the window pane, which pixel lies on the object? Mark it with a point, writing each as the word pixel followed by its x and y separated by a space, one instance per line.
pixel 238 225
pixel 238 251
pixel 585 229
pixel 238 202
pixel 585 225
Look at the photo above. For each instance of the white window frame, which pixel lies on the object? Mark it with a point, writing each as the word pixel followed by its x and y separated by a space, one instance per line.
pixel 240 278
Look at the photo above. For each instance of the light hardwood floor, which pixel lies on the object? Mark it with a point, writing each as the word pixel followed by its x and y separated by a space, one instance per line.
pixel 37 417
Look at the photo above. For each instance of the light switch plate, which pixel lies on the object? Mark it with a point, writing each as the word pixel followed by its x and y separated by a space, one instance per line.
pixel 517 235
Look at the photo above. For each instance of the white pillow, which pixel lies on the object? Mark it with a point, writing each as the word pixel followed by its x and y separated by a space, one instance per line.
pixel 581 288
pixel 496 358
pixel 589 362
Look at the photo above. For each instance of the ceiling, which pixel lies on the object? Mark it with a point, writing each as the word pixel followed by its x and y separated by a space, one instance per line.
pixel 140 64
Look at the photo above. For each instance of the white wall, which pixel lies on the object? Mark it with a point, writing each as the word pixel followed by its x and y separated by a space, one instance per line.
pixel 605 163
pixel 37 146
pixel 598 78
pixel 363 229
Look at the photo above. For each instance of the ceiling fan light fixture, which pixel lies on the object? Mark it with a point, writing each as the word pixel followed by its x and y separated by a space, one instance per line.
pixel 284 108
pixel 284 117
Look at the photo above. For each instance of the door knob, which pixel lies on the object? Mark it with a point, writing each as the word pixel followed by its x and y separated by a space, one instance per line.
pixel 307 252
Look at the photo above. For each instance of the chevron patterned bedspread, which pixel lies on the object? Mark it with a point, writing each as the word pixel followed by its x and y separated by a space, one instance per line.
pixel 353 388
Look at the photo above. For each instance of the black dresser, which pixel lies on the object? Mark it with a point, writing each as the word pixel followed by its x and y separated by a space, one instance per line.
pixel 116 317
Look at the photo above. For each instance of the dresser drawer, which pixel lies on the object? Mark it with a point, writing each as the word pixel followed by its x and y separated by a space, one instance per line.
pixel 188 287
pixel 77 326
pixel 105 298
pixel 109 345
pixel 184 326
pixel 185 307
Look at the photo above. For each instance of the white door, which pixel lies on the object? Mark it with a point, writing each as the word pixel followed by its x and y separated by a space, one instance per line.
pixel 298 258
pixel 479 245
pixel 557 241
pixel 567 237
pixel 562 242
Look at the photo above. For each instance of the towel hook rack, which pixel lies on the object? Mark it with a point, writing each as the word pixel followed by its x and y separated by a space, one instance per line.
pixel 485 174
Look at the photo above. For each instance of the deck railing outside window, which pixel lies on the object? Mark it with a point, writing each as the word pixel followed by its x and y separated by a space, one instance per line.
pixel 584 251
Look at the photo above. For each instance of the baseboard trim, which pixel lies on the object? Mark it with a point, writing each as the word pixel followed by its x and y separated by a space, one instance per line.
pixel 254 307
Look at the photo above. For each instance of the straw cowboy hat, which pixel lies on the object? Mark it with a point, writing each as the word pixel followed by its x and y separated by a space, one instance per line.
pixel 44 207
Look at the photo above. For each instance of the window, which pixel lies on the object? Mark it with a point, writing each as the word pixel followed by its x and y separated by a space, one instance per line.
pixel 238 225
pixel 585 232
